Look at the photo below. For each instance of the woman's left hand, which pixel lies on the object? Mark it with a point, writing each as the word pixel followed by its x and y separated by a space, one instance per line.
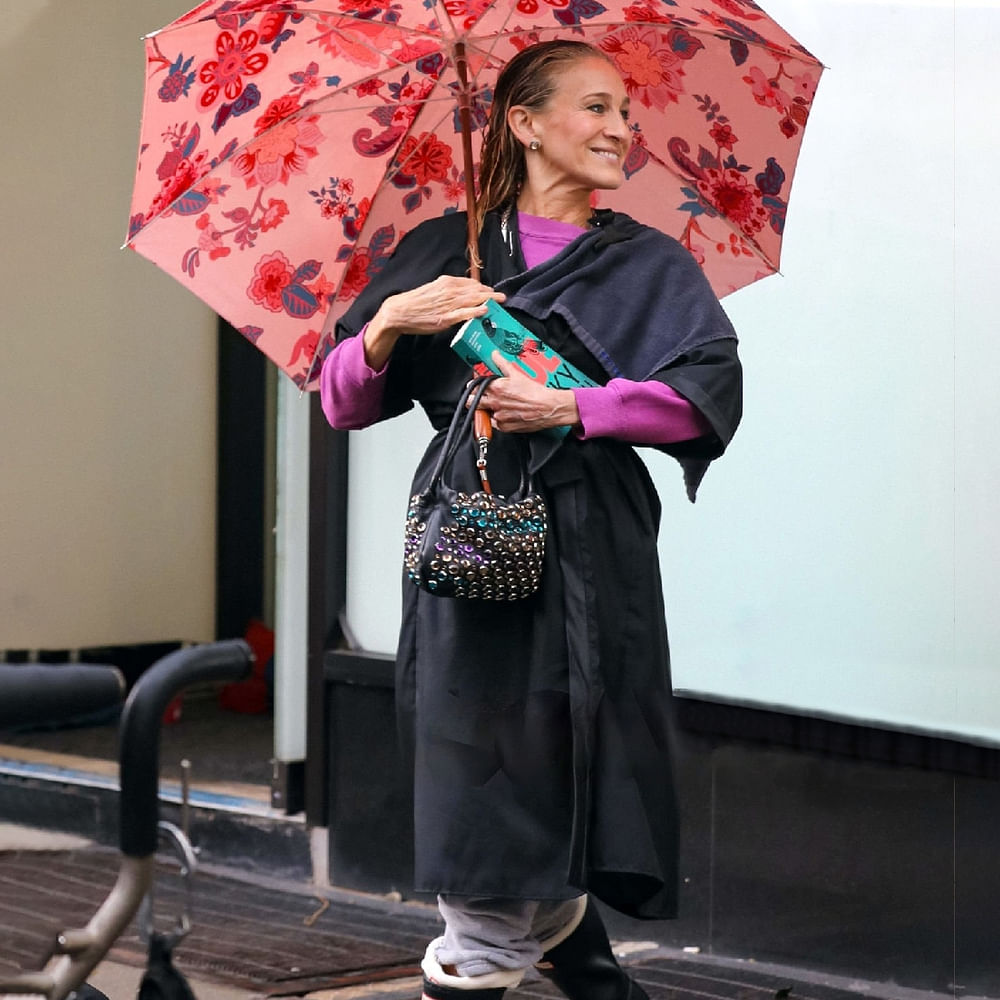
pixel 520 404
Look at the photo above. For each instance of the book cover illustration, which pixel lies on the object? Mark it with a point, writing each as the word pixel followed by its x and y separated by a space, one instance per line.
pixel 498 331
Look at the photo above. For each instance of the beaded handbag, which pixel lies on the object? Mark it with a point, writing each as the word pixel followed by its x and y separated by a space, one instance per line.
pixel 474 545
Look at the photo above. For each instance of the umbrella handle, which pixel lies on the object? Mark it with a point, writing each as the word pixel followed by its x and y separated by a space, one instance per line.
pixel 482 432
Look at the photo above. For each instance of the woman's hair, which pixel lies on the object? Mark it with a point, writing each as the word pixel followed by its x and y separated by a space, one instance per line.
pixel 529 79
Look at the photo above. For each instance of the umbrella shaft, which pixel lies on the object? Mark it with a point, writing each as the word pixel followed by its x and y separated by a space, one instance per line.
pixel 465 122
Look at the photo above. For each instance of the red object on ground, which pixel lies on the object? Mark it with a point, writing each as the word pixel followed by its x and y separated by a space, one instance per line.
pixel 252 696
pixel 172 713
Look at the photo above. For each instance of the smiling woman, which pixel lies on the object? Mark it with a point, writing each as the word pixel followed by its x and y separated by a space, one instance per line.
pixel 578 139
pixel 539 727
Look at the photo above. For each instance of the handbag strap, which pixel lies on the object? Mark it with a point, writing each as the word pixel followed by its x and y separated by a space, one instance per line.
pixel 460 423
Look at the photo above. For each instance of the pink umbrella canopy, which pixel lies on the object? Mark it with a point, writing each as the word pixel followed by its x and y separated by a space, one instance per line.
pixel 287 146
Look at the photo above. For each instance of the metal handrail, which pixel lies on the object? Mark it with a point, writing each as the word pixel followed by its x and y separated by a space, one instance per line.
pixel 77 952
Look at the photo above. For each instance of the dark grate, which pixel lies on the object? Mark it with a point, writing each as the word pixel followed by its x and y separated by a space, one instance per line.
pixel 243 934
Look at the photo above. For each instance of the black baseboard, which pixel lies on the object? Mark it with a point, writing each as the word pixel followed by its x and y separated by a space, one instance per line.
pixel 765 727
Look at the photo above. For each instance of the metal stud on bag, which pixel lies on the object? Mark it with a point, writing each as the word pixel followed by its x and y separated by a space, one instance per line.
pixel 474 545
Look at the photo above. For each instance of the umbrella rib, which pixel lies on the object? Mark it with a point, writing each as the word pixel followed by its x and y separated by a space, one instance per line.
pixel 774 49
pixel 314 14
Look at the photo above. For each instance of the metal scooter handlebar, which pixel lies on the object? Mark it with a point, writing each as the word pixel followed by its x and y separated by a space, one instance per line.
pixel 139 743
pixel 76 953
pixel 31 693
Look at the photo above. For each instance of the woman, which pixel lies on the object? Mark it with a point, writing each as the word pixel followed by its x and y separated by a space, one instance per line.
pixel 540 728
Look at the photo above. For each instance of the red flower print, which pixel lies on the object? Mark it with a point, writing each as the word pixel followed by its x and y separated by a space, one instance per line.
pixel 276 211
pixel 213 188
pixel 454 187
pixel 323 289
pixel 466 12
pixel 252 5
pixel 723 135
pixel 279 153
pixel 271 25
pixel 409 101
pixel 736 247
pixel 172 163
pixel 766 91
pixel 361 7
pixel 304 348
pixel 728 192
pixel 278 110
pixel 235 60
pixel 361 44
pixel 521 42
pixel 364 207
pixel 737 9
pixel 210 239
pixel 426 158
pixel 788 127
pixel 799 112
pixel 271 276
pixel 804 86
pixel 369 87
pixel 356 275
pixel 186 174
pixel 645 12
pixel 650 68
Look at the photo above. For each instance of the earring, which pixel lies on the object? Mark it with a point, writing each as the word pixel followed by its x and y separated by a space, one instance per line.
pixel 534 145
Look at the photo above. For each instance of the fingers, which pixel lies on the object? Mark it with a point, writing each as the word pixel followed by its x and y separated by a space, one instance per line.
pixel 441 303
pixel 507 368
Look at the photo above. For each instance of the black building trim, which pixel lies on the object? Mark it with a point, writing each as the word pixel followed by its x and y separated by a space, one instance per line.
pixel 240 488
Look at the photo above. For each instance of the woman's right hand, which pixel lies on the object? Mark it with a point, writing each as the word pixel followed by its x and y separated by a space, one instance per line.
pixel 425 310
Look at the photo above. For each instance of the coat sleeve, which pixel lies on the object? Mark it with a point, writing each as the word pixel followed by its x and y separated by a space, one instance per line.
pixel 711 377
pixel 434 248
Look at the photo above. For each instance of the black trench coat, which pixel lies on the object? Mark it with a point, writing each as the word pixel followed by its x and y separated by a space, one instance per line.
pixel 540 730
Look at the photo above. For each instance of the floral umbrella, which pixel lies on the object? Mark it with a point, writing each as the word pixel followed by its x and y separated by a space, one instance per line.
pixel 287 146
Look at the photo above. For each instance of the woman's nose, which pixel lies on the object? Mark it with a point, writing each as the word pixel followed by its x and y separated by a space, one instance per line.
pixel 617 128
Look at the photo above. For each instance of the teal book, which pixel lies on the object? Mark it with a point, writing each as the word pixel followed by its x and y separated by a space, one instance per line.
pixel 498 332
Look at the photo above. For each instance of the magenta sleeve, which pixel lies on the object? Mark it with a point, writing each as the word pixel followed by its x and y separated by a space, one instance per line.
pixel 350 391
pixel 638 412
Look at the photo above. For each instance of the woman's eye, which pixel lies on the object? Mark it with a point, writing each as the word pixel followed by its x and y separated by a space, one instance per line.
pixel 598 108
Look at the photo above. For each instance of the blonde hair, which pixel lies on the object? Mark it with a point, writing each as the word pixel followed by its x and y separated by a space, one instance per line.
pixel 529 79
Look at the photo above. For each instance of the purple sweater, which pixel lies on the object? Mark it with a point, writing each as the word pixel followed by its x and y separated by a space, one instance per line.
pixel 637 412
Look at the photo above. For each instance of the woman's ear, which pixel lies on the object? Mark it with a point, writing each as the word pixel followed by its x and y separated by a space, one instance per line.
pixel 521 123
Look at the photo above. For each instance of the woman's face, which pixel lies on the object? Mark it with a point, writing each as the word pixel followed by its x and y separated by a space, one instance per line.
pixel 582 129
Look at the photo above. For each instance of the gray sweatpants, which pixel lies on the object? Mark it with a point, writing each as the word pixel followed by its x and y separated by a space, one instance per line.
pixel 483 935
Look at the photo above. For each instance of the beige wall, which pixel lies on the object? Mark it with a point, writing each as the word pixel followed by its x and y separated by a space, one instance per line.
pixel 107 379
